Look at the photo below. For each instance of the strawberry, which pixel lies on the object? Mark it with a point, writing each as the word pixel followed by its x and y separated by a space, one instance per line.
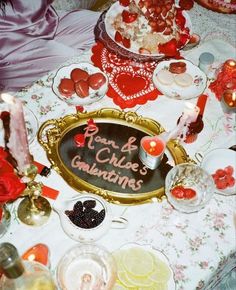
pixel 183 38
pixel 231 182
pixel 169 48
pixel 168 31
pixel 229 170
pixel 118 37
pixel 220 173
pixel 221 183
pixel 186 4
pixel 178 191
pixel 129 17
pixel 180 19
pixel 189 193
pixel 124 3
pixel 126 42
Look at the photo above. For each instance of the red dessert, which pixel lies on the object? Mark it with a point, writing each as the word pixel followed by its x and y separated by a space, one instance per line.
pixel 223 178
pixel 182 192
pixel 177 67
pixel 66 87
pixel 78 74
pixel 96 80
pixel 82 88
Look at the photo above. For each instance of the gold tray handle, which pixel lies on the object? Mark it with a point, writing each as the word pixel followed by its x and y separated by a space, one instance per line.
pixel 49 133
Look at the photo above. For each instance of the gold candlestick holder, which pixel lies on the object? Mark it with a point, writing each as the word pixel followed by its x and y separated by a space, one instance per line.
pixel 33 210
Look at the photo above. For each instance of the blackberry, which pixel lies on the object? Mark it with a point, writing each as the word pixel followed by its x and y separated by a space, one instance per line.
pixel 89 203
pixel 84 215
pixel 91 213
pixel 78 206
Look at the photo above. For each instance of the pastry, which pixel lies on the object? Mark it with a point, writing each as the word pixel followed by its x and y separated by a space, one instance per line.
pixel 66 87
pixel 177 67
pixel 183 80
pixel 165 77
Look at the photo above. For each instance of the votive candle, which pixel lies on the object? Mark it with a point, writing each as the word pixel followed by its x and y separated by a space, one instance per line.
pixel 229 66
pixel 228 101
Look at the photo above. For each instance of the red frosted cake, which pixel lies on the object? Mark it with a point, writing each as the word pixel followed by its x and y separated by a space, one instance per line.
pixel 222 6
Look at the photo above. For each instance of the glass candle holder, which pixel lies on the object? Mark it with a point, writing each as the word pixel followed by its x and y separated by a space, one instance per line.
pixel 228 101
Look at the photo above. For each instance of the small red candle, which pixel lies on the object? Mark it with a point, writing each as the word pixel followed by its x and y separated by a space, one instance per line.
pixel 154 147
pixel 38 253
pixel 228 101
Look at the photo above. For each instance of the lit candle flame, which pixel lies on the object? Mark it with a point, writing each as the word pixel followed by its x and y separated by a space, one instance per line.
pixel 9 99
pixel 152 145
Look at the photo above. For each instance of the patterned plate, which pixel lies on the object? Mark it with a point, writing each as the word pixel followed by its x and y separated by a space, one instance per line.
pixel 178 92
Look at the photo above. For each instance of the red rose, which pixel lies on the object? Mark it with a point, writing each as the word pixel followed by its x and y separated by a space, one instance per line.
pixel 10 187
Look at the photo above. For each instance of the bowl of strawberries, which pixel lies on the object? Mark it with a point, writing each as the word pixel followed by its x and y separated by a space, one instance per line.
pixel 189 187
pixel 221 164
pixel 80 84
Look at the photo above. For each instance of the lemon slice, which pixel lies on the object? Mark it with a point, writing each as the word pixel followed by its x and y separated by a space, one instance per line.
pixel 138 262
pixel 143 281
pixel 124 279
pixel 118 286
pixel 161 272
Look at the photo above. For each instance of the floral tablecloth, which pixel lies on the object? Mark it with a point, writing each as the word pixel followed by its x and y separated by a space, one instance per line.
pixel 201 247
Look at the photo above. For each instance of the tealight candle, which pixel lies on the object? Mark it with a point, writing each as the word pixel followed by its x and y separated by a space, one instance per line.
pixel 229 66
pixel 38 253
pixel 151 151
pixel 228 101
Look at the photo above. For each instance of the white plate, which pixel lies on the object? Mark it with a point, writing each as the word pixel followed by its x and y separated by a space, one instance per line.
pixel 219 159
pixel 94 95
pixel 160 255
pixel 116 9
pixel 177 92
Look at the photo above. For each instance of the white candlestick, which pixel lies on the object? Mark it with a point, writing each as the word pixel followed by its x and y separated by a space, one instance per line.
pixel 18 141
pixel 189 116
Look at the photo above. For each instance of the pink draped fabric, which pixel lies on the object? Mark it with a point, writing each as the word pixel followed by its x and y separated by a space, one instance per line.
pixel 35 40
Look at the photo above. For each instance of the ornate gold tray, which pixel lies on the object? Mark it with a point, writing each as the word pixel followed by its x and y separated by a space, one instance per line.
pixel 108 164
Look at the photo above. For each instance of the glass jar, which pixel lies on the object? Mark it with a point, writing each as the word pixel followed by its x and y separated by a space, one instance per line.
pixel 5 219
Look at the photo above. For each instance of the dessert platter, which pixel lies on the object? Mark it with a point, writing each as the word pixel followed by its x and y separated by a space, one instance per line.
pixel 142 267
pixel 101 156
pixel 221 6
pixel 179 79
pixel 140 30
pixel 80 84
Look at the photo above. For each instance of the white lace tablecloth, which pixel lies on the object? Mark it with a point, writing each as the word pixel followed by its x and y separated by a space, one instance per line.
pixel 201 247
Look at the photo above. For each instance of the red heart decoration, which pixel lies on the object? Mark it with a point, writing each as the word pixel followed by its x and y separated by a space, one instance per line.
pixel 128 82
pixel 131 84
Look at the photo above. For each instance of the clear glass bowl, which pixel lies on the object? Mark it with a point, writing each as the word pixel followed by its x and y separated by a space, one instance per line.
pixel 189 176
pixel 86 267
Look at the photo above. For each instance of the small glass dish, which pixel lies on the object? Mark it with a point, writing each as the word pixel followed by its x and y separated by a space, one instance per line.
pixel 86 267
pixel 219 159
pixel 189 176
pixel 89 232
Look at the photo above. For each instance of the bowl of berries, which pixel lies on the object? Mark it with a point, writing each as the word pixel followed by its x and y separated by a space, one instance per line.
pixel 220 163
pixel 189 187
pixel 87 217
pixel 80 84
